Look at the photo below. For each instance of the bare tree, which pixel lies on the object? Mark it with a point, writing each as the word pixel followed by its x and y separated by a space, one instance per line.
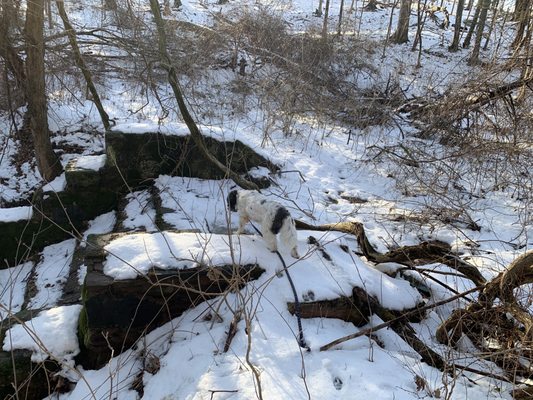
pixel 474 58
pixel 420 22
pixel 318 11
pixel 473 25
pixel 521 7
pixel 110 5
pixel 325 24
pixel 14 62
pixel 195 132
pixel 47 161
pixel 458 24
pixel 166 8
pixel 341 8
pixel 522 15
pixel 402 30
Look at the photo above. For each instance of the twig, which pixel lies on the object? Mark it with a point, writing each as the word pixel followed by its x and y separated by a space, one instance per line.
pixel 295 170
pixel 232 330
pixel 221 391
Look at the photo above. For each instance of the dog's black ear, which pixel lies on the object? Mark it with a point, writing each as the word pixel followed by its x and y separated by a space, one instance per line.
pixel 232 200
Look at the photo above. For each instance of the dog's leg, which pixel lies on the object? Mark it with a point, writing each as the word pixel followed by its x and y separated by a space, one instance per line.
pixel 269 237
pixel 289 236
pixel 271 241
pixel 294 252
pixel 243 220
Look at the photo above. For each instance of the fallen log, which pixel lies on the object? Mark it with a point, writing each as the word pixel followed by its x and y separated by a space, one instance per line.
pixel 396 321
pixel 423 253
pixel 359 307
pixel 450 108
pixel 405 315
pixel 343 308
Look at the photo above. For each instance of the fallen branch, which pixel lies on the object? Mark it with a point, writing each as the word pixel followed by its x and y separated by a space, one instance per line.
pixel 519 272
pixel 425 252
pixel 400 326
pixel 404 316
pixel 232 331
pixel 505 324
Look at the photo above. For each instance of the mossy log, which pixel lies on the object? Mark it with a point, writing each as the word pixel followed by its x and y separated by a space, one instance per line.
pixel 117 313
pixel 18 375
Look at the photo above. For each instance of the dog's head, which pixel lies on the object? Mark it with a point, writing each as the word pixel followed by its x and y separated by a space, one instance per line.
pixel 232 200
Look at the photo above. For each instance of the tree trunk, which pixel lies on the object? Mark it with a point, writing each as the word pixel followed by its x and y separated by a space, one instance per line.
pixel 71 33
pixel 495 5
pixel 470 33
pixel 474 58
pixel 521 14
pixel 521 7
pixel 325 23
pixel 402 31
pixel 49 14
pixel 340 18
pixel 166 8
pixel 527 70
pixel 47 161
pixel 318 11
pixel 14 63
pixel 458 24
pixel 110 5
pixel 420 22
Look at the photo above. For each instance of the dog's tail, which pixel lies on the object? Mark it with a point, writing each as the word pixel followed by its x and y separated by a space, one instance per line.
pixel 289 236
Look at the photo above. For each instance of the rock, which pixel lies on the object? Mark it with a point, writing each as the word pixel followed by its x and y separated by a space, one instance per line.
pixel 142 157
pixel 118 312
pixel 17 373
pixel 60 215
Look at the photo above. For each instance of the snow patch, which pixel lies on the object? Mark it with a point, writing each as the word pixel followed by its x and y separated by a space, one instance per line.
pixel 57 185
pixel 52 332
pixel 94 163
pixel 51 274
pixel 15 214
pixel 12 287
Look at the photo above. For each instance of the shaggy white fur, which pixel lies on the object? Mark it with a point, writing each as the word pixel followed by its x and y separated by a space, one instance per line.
pixel 273 217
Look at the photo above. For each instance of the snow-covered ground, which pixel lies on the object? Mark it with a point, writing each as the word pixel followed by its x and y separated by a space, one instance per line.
pixel 328 174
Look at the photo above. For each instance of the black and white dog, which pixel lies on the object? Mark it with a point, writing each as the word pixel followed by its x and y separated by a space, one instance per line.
pixel 273 217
